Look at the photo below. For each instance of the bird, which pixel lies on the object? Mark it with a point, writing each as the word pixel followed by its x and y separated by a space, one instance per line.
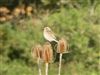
pixel 49 35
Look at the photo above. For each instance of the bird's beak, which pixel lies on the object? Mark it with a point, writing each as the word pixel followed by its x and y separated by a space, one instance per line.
pixel 42 28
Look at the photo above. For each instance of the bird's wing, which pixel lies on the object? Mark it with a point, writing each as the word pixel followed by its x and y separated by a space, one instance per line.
pixel 52 34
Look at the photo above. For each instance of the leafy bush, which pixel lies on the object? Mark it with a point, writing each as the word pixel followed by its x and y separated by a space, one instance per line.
pixel 77 26
pixel 83 36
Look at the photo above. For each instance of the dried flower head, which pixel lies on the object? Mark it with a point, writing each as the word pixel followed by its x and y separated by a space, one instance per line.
pixel 37 51
pixel 62 46
pixel 47 52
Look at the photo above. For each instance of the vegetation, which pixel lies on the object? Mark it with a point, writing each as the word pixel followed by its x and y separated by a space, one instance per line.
pixel 78 21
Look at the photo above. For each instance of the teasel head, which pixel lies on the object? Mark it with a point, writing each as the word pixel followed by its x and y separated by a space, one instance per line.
pixel 37 54
pixel 47 53
pixel 37 51
pixel 62 46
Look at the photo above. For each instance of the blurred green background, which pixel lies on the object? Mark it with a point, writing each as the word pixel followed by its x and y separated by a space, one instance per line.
pixel 77 20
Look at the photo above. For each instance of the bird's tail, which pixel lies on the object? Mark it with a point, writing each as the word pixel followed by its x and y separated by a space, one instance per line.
pixel 56 40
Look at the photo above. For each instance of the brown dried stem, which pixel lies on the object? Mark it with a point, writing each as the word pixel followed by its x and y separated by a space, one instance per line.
pixel 37 53
pixel 47 55
pixel 61 48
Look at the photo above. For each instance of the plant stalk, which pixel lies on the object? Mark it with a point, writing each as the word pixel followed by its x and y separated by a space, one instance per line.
pixel 39 66
pixel 46 68
pixel 59 71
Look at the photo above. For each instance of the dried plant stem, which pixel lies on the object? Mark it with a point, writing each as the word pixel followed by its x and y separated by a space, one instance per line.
pixel 39 66
pixel 46 68
pixel 59 71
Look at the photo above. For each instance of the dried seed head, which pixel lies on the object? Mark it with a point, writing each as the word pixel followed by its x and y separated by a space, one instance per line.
pixel 47 52
pixel 37 51
pixel 62 46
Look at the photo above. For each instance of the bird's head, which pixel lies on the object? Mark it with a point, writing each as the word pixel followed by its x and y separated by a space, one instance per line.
pixel 47 29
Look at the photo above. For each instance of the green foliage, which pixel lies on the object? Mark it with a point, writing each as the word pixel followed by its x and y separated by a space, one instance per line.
pixel 16 41
pixel 83 37
pixel 78 27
